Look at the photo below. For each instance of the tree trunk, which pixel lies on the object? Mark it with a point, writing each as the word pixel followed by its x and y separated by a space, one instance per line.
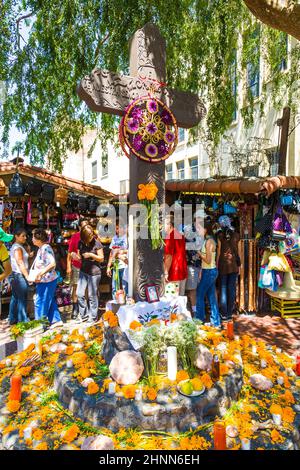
pixel 279 14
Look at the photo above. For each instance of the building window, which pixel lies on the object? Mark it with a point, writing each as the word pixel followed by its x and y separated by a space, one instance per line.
pixel 253 67
pixel 169 171
pixel 94 171
pixel 252 170
pixel 124 187
pixel 273 157
pixel 180 170
pixel 194 168
pixel 181 134
pixel 104 162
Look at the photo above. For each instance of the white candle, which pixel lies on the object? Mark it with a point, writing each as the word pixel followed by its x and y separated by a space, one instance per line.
pixel 86 335
pixel 130 255
pixel 69 363
pixel 254 350
pixel 139 394
pixel 8 362
pixel 172 362
pixel 111 388
pixel 27 433
pixel 65 338
pixel 278 350
pixel 280 380
pixel 236 338
pixel 246 444
pixel 106 324
pixel 263 364
pixel 276 419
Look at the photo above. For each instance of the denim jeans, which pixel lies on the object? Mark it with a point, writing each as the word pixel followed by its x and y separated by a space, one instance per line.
pixel 122 283
pixel 227 294
pixel 45 302
pixel 207 287
pixel 18 302
pixel 92 284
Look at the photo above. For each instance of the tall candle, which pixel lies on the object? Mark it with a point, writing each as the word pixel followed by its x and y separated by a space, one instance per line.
pixel 15 387
pixel 172 362
pixel 230 331
pixel 219 436
pixel 130 255
pixel 298 364
pixel 112 388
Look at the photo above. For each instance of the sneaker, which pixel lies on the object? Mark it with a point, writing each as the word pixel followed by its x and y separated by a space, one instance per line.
pixel 81 320
pixel 56 324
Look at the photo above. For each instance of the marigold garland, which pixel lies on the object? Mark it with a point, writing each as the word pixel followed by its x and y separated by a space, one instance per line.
pixel 41 446
pixel 71 433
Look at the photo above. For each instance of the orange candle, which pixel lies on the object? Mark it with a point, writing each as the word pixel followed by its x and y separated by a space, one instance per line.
pixel 15 387
pixel 219 436
pixel 230 332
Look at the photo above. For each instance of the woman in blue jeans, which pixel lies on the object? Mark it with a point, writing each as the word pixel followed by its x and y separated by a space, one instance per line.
pixel 45 279
pixel 18 278
pixel 209 274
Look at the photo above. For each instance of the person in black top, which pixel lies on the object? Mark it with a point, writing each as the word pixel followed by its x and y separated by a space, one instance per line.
pixel 90 251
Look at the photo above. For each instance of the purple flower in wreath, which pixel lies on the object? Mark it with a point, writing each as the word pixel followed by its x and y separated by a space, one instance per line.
pixel 137 113
pixel 152 106
pixel 151 128
pixel 162 148
pixel 138 143
pixel 151 150
pixel 132 125
pixel 166 117
pixel 169 137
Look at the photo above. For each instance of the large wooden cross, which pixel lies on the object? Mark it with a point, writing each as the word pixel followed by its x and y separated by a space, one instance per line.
pixel 109 92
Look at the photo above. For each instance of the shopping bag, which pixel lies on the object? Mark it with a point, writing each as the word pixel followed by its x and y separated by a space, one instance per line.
pixel 278 262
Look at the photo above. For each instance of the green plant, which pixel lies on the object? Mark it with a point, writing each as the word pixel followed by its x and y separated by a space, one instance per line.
pixel 102 370
pixel 183 335
pixel 20 328
pixel 94 350
pixel 152 346
pixel 48 396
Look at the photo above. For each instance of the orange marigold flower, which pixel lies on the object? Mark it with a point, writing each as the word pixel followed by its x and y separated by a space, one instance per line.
pixel 288 397
pixel 224 369
pixel 84 372
pixel 276 437
pixel 206 380
pixel 197 383
pixel 173 317
pixel 71 433
pixel 2 365
pixel 113 321
pixel 24 371
pixel 13 406
pixel 129 391
pixel 41 446
pixel 154 321
pixel 92 388
pixel 37 434
pixel 276 409
pixel 29 348
pixel 69 350
pixel 108 314
pixel 288 415
pixel 79 357
pixel 134 325
pixel 182 375
pixel 151 394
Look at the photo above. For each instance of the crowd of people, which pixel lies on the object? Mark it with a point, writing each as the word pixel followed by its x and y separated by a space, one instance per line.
pixel 195 271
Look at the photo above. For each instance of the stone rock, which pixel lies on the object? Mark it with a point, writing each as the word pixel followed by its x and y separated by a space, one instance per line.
pixel 100 442
pixel 260 382
pixel 151 409
pixel 58 348
pixel 126 367
pixel 204 358
pixel 114 341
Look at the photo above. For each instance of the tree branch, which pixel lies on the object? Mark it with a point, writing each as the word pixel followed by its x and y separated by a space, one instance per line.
pixel 24 17
pixel 283 15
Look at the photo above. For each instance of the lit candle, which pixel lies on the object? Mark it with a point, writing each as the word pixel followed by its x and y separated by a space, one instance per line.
pixel 246 444
pixel 298 364
pixel 15 387
pixel 219 436
pixel 276 419
pixel 254 349
pixel 69 363
pixel 280 380
pixel 172 362
pixel 230 330
pixel 139 394
pixel 111 388
pixel 263 364
pixel 27 433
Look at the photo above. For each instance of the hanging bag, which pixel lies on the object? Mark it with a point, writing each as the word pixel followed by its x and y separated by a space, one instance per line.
pixel 16 186
pixel 61 196
pixel 278 262
pixel 47 194
pixel 3 188
pixel 34 188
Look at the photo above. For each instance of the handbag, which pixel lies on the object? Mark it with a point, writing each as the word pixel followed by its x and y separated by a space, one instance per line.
pixel 34 188
pixel 229 209
pixel 33 273
pixel 61 196
pixel 47 194
pixel 16 186
pixel 278 262
pixel 267 278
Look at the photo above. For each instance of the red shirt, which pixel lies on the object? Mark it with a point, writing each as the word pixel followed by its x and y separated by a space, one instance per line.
pixel 73 248
pixel 175 246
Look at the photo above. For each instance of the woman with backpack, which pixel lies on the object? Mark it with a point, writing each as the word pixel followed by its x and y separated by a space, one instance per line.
pixel 228 263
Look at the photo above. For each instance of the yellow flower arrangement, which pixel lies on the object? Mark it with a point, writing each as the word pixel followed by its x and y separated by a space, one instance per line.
pixel 129 391
pixel 182 375
pixel 13 406
pixel 135 325
pixel 147 192
pixel 84 372
pixel 71 434
pixel 113 321
pixel 108 314
pixel 41 446
pixel 147 195
pixel 79 357
pixel 276 409
pixel 154 321
pixel 92 388
pixel 37 434
pixel 152 394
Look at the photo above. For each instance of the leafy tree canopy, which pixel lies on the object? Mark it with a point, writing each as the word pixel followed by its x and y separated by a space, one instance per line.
pixel 68 38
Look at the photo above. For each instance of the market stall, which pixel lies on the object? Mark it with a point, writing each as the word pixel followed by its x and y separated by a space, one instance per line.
pixel 33 197
pixel 255 206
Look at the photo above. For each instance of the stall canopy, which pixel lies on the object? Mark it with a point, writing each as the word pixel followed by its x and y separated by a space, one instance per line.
pixel 265 186
pixel 7 169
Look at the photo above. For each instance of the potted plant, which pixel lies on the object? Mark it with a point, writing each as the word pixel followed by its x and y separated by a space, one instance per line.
pixel 26 333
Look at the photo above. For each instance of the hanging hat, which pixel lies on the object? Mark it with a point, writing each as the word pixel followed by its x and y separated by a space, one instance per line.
pixel 5 237
pixel 225 222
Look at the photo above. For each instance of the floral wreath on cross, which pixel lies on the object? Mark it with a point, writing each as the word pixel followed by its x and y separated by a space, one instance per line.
pixel 148 129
